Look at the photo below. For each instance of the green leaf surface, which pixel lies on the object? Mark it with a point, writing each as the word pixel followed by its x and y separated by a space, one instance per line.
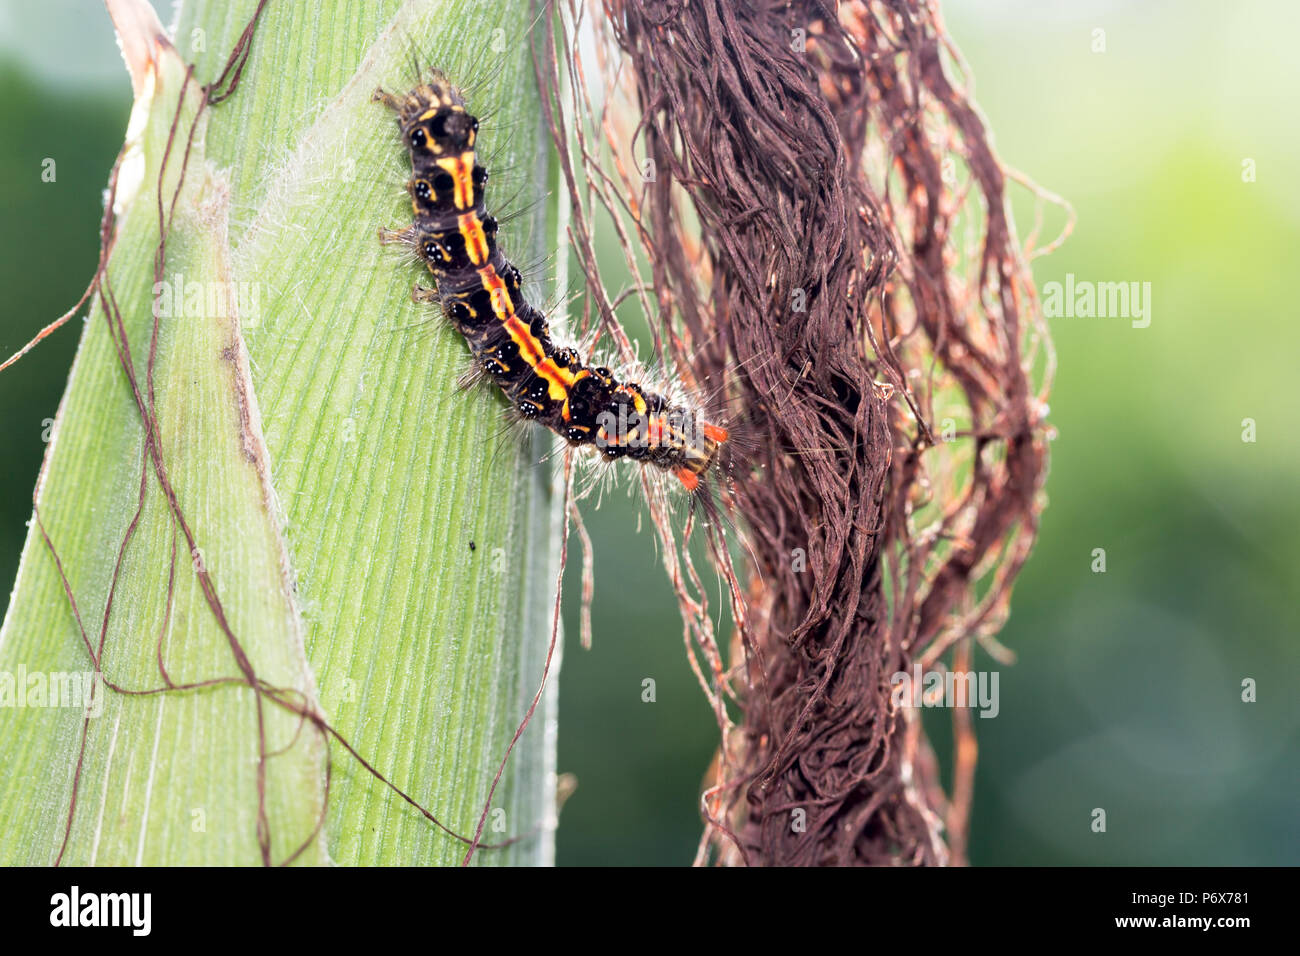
pixel 380 546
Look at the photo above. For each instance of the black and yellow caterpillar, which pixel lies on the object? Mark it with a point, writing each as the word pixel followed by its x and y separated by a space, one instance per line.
pixel 480 293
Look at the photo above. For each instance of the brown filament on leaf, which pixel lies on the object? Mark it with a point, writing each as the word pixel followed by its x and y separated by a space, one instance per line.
pixel 142 53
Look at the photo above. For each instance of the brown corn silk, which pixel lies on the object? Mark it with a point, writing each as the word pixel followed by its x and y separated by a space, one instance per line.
pixel 829 243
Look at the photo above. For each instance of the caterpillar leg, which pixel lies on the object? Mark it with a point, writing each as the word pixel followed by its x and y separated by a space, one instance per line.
pixel 390 237
pixel 388 99
pixel 423 294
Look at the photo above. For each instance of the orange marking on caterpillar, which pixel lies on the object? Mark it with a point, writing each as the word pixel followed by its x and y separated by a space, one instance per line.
pixel 530 350
pixel 558 380
pixel 715 432
pixel 475 241
pixel 689 479
pixel 496 289
pixel 566 412
pixel 461 169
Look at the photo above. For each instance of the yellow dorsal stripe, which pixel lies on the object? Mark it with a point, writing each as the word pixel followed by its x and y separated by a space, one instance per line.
pixel 497 292
pixel 558 380
pixel 461 170
pixel 583 373
pixel 530 350
pixel 476 245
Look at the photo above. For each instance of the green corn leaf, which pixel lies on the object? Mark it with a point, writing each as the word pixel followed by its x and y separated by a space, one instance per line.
pixel 381 553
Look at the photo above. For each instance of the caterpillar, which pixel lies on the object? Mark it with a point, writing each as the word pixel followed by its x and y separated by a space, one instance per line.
pixel 480 294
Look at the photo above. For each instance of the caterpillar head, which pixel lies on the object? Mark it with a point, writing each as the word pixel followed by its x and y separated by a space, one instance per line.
pixel 433 118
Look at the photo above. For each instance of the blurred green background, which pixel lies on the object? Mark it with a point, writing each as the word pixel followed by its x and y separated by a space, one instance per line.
pixel 1127 692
